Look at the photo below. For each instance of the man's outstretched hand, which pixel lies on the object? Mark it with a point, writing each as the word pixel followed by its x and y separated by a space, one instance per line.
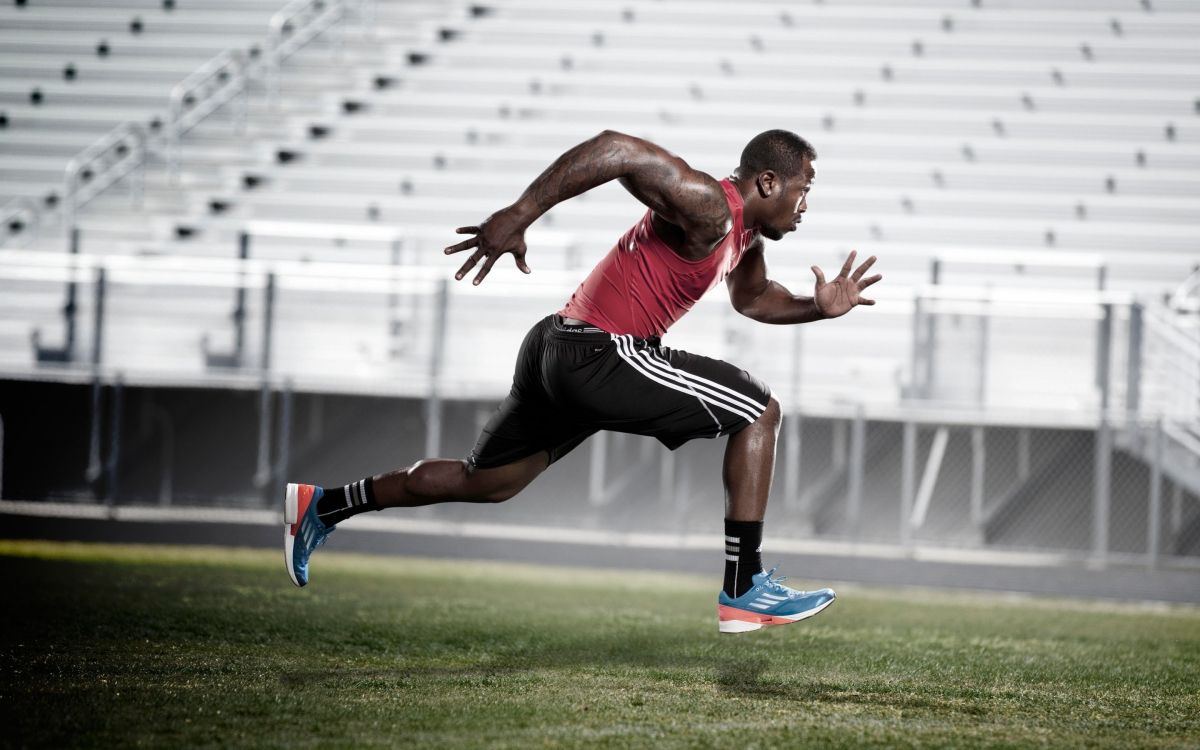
pixel 502 232
pixel 840 296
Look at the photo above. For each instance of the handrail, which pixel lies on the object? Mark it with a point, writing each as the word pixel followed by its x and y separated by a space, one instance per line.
pixel 203 271
pixel 201 93
pixel 293 26
pixel 11 214
pixel 378 233
pixel 1186 297
pixel 115 155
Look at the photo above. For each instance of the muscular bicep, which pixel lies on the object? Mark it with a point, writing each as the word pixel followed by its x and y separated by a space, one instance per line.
pixel 685 197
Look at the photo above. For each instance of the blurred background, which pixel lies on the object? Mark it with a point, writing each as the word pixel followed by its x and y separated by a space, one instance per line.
pixel 221 270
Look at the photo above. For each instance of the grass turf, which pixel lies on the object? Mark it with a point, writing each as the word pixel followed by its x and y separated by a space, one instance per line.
pixel 124 646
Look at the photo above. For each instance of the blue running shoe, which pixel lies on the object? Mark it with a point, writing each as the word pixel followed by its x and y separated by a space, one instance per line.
pixel 767 603
pixel 303 531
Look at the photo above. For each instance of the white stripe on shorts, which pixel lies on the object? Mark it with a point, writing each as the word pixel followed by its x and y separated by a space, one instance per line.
pixel 623 346
pixel 737 395
pixel 714 398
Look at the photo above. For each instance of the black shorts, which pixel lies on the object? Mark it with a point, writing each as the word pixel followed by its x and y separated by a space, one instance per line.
pixel 572 381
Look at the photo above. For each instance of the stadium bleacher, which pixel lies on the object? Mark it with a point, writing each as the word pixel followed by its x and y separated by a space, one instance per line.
pixel 1043 156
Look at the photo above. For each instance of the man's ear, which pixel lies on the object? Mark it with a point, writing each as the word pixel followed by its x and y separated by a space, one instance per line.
pixel 768 183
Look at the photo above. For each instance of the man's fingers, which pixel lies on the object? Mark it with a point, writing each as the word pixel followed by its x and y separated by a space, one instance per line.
pixel 483 270
pixel 521 264
pixel 467 230
pixel 820 276
pixel 848 264
pixel 869 281
pixel 464 245
pixel 865 301
pixel 468 265
pixel 858 273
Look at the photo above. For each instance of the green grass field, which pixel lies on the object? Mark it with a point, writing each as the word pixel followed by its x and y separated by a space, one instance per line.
pixel 123 646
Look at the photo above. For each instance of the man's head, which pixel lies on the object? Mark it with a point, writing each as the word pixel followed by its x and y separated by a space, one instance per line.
pixel 778 163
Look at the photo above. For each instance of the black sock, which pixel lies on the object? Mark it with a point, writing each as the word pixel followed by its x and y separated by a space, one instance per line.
pixel 339 503
pixel 743 555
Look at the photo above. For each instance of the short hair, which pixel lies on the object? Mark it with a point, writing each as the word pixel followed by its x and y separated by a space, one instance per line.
pixel 780 151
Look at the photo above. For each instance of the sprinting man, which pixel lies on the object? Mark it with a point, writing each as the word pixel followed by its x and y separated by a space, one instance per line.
pixel 599 364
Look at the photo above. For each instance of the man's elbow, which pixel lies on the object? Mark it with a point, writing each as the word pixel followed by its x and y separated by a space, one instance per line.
pixel 614 137
pixel 750 309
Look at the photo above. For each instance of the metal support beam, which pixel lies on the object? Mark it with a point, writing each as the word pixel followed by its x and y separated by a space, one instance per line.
pixel 908 476
pixel 262 473
pixel 1102 492
pixel 433 402
pixel 1 457
pixel 111 488
pixel 666 478
pixel 856 469
pixel 268 332
pixel 596 469
pixel 1154 522
pixel 1133 364
pixel 233 357
pixel 791 461
pixel 1102 477
pixel 94 467
pixel 933 466
pixel 70 309
pixel 792 428
pixel 283 454
pixel 1022 453
pixel 262 470
pixel 1175 520
pixel 981 382
pixel 978 464
pixel 1104 353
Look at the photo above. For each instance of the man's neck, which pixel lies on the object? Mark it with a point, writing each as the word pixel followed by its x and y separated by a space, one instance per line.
pixel 749 192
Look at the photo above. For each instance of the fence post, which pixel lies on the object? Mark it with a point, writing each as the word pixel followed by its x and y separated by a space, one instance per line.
pixel 111 489
pixel 981 382
pixel 978 459
pixel 792 432
pixel 262 473
pixel 596 468
pixel 918 373
pixel 908 478
pixel 1102 477
pixel 1133 369
pixel 854 490
pixel 666 478
pixel 1154 522
pixel 433 403
pixel 284 454
pixel 94 467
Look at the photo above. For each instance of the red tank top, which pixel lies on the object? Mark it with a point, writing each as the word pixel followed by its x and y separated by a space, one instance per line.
pixel 642 286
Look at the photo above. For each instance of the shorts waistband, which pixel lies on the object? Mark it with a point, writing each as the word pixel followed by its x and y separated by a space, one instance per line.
pixel 582 333
pixel 590 334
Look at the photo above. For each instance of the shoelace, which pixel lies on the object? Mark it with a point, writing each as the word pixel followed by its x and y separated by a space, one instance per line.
pixel 775 584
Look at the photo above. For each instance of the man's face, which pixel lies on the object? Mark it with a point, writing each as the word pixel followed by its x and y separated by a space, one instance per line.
pixel 788 202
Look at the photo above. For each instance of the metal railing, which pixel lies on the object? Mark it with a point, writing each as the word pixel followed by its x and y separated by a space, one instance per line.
pixel 114 156
pixel 215 83
pixel 292 27
pixel 988 461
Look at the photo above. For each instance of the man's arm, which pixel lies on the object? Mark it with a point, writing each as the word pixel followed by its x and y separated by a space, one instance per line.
pixel 759 298
pixel 677 193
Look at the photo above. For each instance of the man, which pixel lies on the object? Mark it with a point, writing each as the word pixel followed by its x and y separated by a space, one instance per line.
pixel 598 363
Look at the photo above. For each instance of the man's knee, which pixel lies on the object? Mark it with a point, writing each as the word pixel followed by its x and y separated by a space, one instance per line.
pixel 772 416
pixel 505 482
